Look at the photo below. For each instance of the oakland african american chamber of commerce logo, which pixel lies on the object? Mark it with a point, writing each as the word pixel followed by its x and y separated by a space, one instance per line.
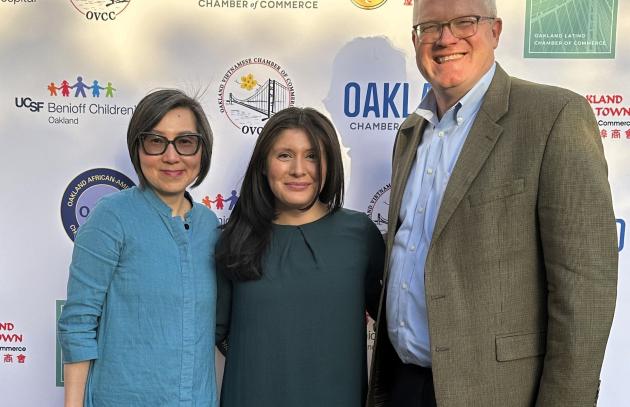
pixel 84 191
pixel 570 28
pixel 378 208
pixel 252 91
pixel 368 4
pixel 100 10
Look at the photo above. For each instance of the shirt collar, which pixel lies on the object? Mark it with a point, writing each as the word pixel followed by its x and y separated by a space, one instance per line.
pixel 464 109
pixel 159 205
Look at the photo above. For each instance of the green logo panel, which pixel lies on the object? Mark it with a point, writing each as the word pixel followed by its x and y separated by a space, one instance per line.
pixel 59 364
pixel 570 28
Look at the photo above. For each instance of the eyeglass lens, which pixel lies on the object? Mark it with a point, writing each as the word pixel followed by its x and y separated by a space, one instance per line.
pixel 154 144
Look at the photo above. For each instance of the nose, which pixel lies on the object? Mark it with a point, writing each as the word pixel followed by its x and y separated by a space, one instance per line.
pixel 298 167
pixel 446 36
pixel 170 155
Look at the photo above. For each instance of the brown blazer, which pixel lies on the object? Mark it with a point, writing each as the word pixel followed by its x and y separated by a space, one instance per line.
pixel 521 274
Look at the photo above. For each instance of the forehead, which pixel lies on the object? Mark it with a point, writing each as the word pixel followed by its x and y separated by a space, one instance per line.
pixel 440 10
pixel 292 139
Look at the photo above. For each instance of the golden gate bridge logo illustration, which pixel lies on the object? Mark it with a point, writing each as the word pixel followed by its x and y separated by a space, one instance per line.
pixel 252 91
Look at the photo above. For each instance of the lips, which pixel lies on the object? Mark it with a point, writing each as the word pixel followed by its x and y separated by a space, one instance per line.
pixel 447 58
pixel 297 186
pixel 173 173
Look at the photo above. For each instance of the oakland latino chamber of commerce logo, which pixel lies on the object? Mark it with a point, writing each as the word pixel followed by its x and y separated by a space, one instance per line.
pixel 84 191
pixel 368 4
pixel 100 10
pixel 378 208
pixel 570 28
pixel 252 91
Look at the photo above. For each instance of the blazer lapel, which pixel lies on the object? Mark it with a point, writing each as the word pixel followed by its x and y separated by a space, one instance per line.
pixel 404 155
pixel 481 139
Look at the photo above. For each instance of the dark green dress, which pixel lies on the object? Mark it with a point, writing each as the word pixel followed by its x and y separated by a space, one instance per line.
pixel 297 337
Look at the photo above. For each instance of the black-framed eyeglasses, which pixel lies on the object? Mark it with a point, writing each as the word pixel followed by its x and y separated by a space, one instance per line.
pixel 185 144
pixel 461 27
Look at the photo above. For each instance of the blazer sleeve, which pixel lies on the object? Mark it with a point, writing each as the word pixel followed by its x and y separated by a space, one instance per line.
pixel 97 249
pixel 579 243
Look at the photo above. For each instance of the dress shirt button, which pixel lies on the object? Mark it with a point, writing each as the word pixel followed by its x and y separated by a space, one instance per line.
pixel 402 323
pixel 404 286
pixel 429 171
pixel 441 134
pixel 421 209
pixel 460 120
pixel 412 248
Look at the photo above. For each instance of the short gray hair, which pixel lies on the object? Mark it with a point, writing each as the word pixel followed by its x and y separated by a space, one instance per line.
pixel 491 6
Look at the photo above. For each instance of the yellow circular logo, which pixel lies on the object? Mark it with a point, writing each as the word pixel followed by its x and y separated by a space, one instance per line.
pixel 368 4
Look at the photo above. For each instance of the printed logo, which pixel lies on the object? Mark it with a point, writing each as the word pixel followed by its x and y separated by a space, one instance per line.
pixel 262 4
pixel 221 203
pixel 252 91
pixel 16 2
pixel 58 354
pixel 621 233
pixel 100 10
pixel 378 208
pixel 83 193
pixel 363 103
pixel 65 103
pixel 80 87
pixel 12 348
pixel 613 116
pixel 368 4
pixel 570 28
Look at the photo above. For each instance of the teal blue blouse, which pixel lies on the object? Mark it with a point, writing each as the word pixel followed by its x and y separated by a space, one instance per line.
pixel 141 303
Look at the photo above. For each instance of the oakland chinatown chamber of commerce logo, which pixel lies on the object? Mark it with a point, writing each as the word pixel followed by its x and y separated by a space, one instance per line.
pixel 252 91
pixel 368 4
pixel 100 10
pixel 83 193
pixel 378 208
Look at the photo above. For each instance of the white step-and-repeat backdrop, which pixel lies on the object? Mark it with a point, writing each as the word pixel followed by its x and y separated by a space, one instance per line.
pixel 73 70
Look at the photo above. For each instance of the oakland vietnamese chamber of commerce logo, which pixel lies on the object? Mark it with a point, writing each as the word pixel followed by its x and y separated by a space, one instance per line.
pixel 378 208
pixel 100 10
pixel 252 91
pixel 83 193
pixel 368 4
pixel 570 28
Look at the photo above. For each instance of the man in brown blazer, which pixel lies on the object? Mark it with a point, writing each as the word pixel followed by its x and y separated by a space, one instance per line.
pixel 500 282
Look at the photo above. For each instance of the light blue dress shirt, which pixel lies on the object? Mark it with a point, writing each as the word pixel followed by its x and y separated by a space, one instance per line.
pixel 141 303
pixel 436 156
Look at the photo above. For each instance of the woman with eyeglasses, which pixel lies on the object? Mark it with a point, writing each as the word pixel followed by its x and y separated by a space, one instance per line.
pixel 138 326
pixel 297 273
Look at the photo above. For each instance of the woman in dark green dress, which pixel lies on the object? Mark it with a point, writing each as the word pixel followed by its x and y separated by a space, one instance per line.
pixel 298 274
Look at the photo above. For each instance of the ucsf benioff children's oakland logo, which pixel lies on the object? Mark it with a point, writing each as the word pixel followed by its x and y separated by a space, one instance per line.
pixel 570 28
pixel 368 4
pixel 100 10
pixel 84 191
pixel 252 91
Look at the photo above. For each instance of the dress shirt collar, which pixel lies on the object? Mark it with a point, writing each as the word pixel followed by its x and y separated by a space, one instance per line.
pixel 464 109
